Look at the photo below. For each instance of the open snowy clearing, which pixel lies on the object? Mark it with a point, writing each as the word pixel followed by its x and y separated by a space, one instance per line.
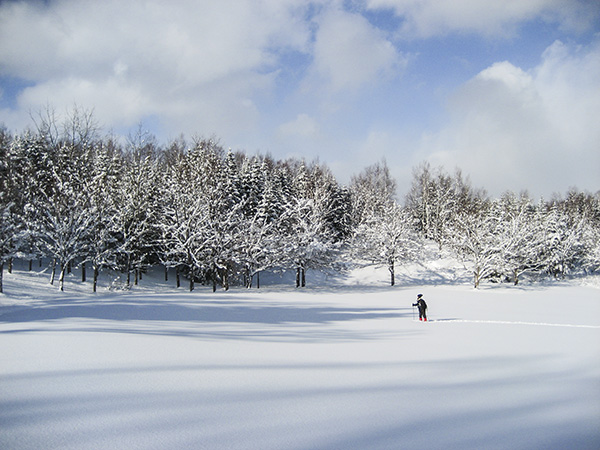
pixel 343 367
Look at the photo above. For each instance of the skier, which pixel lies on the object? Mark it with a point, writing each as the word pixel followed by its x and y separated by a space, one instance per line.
pixel 422 307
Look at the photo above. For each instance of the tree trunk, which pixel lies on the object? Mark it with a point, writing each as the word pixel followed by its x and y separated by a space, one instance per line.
pixel 128 271
pixel 10 265
pixel 516 274
pixel 392 272
pixel 166 273
pixel 177 277
pixel 192 275
pixel 1 275
pixel 95 277
pixel 258 280
pixel 61 279
pixel 83 274
pixel 297 277
pixel 214 278
pixel 30 265
pixel 53 271
pixel 248 278
pixel 225 279
pixel 303 277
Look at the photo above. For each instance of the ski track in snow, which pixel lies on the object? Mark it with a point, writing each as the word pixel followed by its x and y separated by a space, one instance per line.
pixel 505 322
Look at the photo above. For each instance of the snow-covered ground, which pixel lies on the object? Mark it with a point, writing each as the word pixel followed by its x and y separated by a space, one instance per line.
pixel 343 366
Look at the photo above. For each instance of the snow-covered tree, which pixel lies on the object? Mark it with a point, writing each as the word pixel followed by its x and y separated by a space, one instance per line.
pixel 436 198
pixel 11 222
pixel 184 215
pixel 372 191
pixel 591 259
pixel 564 244
pixel 307 243
pixel 309 237
pixel 383 232
pixel 256 233
pixel 32 163
pixel 136 201
pixel 388 239
pixel 63 212
pixel 573 229
pixel 476 242
pixel 520 236
pixel 103 187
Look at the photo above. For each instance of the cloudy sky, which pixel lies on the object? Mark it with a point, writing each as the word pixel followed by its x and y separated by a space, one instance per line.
pixel 508 91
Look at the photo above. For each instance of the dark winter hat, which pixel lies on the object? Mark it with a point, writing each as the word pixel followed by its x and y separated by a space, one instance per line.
pixel 420 295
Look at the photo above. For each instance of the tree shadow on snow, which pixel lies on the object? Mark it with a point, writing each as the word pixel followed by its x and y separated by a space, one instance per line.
pixel 216 318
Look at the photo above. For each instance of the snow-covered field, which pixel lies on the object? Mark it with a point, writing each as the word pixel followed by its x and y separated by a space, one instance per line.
pixel 343 367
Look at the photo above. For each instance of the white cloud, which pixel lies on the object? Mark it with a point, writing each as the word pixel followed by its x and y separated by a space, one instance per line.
pixel 194 63
pixel 535 130
pixel 111 101
pixel 349 52
pixel 426 18
pixel 303 126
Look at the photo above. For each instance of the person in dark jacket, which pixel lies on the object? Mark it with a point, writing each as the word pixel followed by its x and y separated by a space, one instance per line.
pixel 422 307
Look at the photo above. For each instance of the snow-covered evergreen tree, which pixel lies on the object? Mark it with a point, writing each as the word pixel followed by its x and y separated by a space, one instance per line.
pixel 256 233
pixel 103 188
pixel 564 245
pixel 11 221
pixel 33 167
pixel 136 201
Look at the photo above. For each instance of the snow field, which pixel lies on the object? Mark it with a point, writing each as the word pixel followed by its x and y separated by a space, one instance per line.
pixel 344 367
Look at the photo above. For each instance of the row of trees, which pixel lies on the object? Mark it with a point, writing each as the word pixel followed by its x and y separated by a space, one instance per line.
pixel 76 197
pixel 507 237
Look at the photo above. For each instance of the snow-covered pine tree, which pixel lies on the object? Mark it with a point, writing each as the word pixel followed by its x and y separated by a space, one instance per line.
pixel 33 167
pixel 136 205
pixel 564 246
pixel 103 189
pixel 256 232
pixel 170 166
pixel 222 190
pixel 11 221
pixel 252 184
pixel 581 212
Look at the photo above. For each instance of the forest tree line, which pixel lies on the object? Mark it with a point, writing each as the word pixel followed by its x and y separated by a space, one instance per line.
pixel 79 198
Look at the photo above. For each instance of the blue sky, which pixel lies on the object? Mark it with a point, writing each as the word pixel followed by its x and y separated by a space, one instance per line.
pixel 507 91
